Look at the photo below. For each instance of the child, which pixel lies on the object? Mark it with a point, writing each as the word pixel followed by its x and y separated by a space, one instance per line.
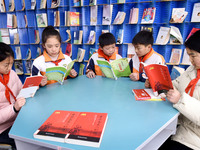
pixel 52 55
pixel 106 51
pixel 10 85
pixel 186 99
pixel 143 42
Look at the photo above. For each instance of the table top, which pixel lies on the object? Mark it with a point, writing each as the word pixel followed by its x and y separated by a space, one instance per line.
pixel 129 124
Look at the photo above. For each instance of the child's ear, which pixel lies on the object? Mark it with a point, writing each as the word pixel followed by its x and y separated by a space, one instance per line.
pixel 149 46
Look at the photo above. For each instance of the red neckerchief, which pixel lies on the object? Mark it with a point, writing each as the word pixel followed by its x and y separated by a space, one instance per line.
pixel 100 52
pixel 192 84
pixel 8 91
pixel 143 59
pixel 56 62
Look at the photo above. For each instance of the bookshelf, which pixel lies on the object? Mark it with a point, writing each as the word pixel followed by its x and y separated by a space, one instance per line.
pixel 162 18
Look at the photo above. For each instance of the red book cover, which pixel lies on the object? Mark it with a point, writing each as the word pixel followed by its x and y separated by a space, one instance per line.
pixel 159 77
pixel 141 94
pixel 68 50
pixel 192 32
pixel 32 81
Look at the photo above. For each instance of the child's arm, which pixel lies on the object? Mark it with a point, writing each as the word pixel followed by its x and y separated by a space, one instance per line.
pixel 73 73
pixel 134 76
pixel 19 103
pixel 90 74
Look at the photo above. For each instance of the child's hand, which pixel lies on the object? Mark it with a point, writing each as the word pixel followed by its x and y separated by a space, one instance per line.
pixel 90 74
pixel 147 84
pixel 44 81
pixel 19 103
pixel 103 75
pixel 73 73
pixel 173 96
pixel 134 76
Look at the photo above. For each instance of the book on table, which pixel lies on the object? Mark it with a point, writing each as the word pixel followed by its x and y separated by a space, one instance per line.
pixel 115 69
pixel 81 128
pixel 30 86
pixel 59 73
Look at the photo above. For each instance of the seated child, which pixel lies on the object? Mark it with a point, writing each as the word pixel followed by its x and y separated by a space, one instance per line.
pixel 185 97
pixel 10 86
pixel 106 51
pixel 52 55
pixel 143 42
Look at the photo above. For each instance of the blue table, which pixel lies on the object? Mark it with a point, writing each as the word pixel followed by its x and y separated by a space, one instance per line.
pixel 131 124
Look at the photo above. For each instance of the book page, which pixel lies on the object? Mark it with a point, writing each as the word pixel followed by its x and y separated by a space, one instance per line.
pixel 196 13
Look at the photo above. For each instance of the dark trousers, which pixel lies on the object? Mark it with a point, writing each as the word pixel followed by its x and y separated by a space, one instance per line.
pixel 4 138
pixel 173 145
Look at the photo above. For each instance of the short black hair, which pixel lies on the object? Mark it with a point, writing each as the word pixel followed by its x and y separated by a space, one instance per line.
pixel 50 31
pixel 143 37
pixel 106 39
pixel 193 42
pixel 5 51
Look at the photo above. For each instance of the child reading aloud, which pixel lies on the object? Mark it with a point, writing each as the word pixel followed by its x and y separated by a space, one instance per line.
pixel 10 86
pixel 106 51
pixel 52 55
pixel 143 42
pixel 185 97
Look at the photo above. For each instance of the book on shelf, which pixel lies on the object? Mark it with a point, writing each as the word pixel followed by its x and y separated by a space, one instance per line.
pixel 115 69
pixel 39 52
pixel 69 36
pixel 30 86
pixel 41 20
pixel 28 54
pixel 92 2
pixel 196 13
pixel 2 6
pixel 144 28
pixel 5 37
pixel 178 15
pixel 18 53
pixel 55 3
pixel 11 21
pixel 68 50
pixel 80 54
pixel 11 6
pixel 91 38
pixel 33 4
pixel 92 51
pixel 78 36
pixel 74 18
pixel 107 14
pixel 81 69
pixel 120 36
pixel 133 18
pixel 18 67
pixel 43 4
pixel 73 127
pixel 56 18
pixel 120 1
pixel 59 73
pixel 186 58
pixel 37 37
pixel 78 2
pixel 67 18
pixel 23 5
pixel 175 36
pixel 148 15
pixel 192 32
pixel 93 15
pixel 28 64
pixel 119 19
pixel 159 77
pixel 163 36
pixel 146 95
pixel 175 56
pixel 130 51
pixel 176 72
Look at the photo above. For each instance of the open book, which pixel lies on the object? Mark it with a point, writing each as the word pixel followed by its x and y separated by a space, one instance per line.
pixel 115 69
pixel 159 77
pixel 146 95
pixel 59 73
pixel 30 86
pixel 81 128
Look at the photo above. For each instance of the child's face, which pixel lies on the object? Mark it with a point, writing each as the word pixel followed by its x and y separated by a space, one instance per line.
pixel 52 46
pixel 194 58
pixel 6 65
pixel 109 49
pixel 142 50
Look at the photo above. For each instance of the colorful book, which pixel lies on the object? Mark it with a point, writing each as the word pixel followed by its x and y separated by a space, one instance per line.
pixel 175 36
pixel 30 86
pixel 115 69
pixel 59 73
pixel 78 36
pixel 80 54
pixel 74 18
pixel 119 19
pixel 107 14
pixel 81 69
pixel 178 15
pixel 175 56
pixel 163 36
pixel 196 13
pixel 41 20
pixel 73 127
pixel 68 50
pixel 148 15
pixel 145 95
pixel 5 37
pixel 176 72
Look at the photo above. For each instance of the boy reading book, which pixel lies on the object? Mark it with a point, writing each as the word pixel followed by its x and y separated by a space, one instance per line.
pixel 143 42
pixel 106 51
pixel 52 56
pixel 185 97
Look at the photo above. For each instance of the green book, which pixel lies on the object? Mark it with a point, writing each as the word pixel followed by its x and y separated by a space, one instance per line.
pixel 115 69
pixel 59 73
